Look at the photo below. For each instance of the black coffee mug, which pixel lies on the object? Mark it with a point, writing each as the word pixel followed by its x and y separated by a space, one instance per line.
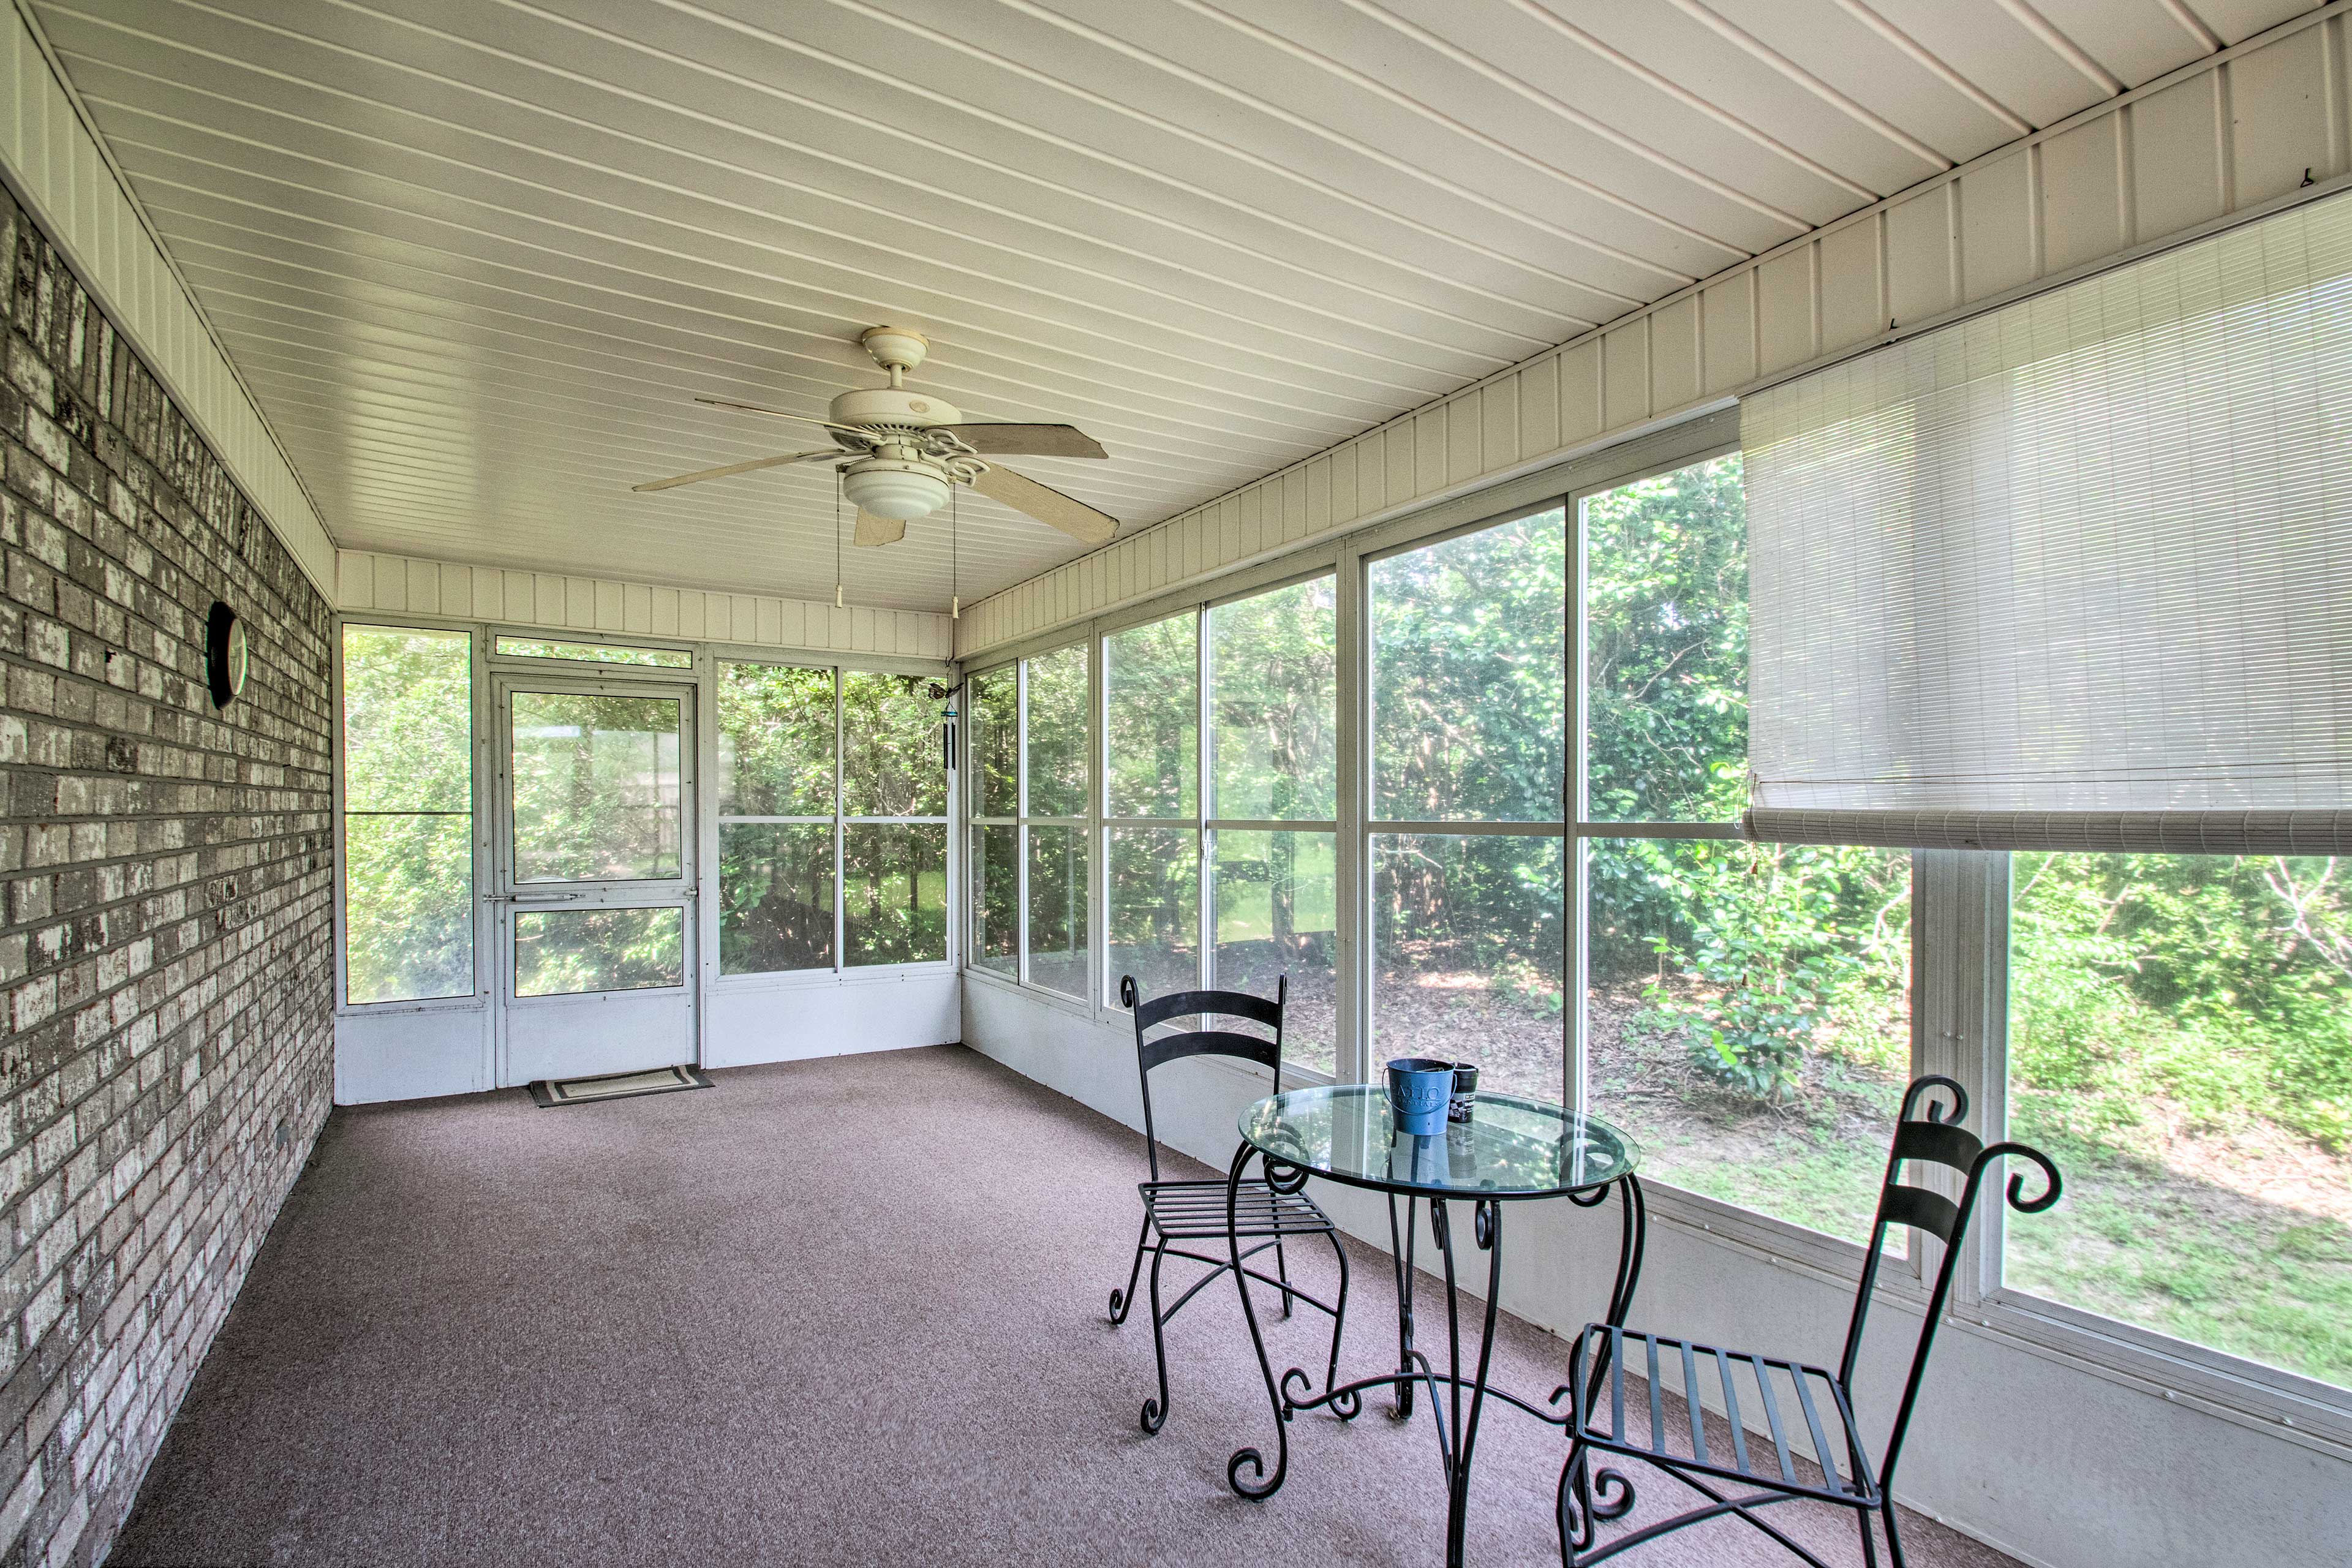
pixel 1466 1090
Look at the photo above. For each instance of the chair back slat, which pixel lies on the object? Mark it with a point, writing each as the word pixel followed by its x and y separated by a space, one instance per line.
pixel 1945 1145
pixel 1187 1004
pixel 1152 1013
pixel 1921 1210
pixel 1207 1042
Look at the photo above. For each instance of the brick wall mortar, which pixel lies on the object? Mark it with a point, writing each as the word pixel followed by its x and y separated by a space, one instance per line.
pixel 166 959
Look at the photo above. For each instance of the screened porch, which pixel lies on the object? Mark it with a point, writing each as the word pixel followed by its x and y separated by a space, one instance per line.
pixel 1063 782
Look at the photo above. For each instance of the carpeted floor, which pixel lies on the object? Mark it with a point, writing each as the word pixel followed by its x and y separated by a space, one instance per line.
pixel 839 1311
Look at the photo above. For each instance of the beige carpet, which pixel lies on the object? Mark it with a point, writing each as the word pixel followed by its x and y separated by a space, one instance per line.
pixel 842 1311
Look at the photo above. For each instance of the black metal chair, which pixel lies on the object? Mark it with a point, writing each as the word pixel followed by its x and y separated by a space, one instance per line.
pixel 1178 1211
pixel 1823 1400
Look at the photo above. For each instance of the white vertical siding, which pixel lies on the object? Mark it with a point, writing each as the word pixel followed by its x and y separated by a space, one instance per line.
pixel 2245 127
pixel 55 165
pixel 371 583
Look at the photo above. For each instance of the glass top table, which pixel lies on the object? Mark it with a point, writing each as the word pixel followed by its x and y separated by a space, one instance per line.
pixel 1510 1147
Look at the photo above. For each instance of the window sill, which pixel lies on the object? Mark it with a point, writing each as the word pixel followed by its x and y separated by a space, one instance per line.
pixel 472 1004
pixel 807 979
pixel 2279 1404
pixel 1829 1259
pixel 1074 1006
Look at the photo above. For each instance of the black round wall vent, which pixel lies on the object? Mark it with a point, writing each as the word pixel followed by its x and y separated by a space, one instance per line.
pixel 225 654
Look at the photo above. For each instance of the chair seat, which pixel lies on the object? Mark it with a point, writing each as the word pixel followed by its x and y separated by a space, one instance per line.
pixel 1804 1408
pixel 1195 1210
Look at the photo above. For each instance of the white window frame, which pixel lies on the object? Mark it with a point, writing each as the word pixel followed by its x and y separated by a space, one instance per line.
pixel 1959 936
pixel 702 674
pixel 1368 828
pixel 1782 1243
pixel 1086 823
pixel 2268 1399
pixel 1101 1002
pixel 967 768
pixel 1344 1067
pixel 841 971
pixel 482 787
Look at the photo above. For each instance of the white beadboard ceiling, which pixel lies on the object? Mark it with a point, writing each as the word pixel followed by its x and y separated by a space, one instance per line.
pixel 477 258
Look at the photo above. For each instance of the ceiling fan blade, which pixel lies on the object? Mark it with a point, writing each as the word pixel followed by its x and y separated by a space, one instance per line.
pixel 774 413
pixel 732 468
pixel 991 441
pixel 1048 505
pixel 872 529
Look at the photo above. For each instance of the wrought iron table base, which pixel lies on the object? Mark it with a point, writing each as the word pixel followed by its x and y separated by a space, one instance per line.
pixel 1457 1417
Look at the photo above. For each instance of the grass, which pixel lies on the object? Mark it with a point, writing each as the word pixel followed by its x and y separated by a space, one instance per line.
pixel 2155 1246
pixel 2192 1244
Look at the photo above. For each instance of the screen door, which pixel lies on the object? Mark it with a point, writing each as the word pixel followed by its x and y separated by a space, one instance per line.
pixel 595 877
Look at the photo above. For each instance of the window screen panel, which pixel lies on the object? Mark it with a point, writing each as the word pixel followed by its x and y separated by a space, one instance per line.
pixel 1057 733
pixel 1152 676
pixel 1470 675
pixel 893 749
pixel 1274 704
pixel 775 741
pixel 408 825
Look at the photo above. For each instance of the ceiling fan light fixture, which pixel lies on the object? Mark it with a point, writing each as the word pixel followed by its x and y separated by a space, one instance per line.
pixel 895 488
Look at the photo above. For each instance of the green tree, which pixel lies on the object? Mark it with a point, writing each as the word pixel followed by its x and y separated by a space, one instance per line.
pixel 408 838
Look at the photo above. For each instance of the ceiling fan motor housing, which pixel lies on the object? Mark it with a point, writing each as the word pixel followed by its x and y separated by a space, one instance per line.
pixel 893 405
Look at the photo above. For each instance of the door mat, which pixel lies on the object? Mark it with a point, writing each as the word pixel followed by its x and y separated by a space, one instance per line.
pixel 550 1092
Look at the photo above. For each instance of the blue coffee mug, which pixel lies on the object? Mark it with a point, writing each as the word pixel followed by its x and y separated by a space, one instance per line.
pixel 1419 1088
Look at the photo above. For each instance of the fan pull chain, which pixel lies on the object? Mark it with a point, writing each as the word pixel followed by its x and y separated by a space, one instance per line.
pixel 839 603
pixel 955 554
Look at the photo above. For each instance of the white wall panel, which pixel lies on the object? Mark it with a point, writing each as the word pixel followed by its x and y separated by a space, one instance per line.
pixel 2082 195
pixel 1847 260
pixel 1466 451
pixel 367 583
pixel 1625 373
pixel 1675 356
pixel 1579 393
pixel 2278 99
pixel 1999 230
pixel 1729 308
pixel 2131 172
pixel 2177 162
pixel 1428 452
pixel 789 1022
pixel 53 163
pixel 412 1053
pixel 1498 422
pixel 1919 232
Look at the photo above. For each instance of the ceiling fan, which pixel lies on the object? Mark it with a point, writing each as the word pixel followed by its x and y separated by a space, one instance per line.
pixel 899 452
